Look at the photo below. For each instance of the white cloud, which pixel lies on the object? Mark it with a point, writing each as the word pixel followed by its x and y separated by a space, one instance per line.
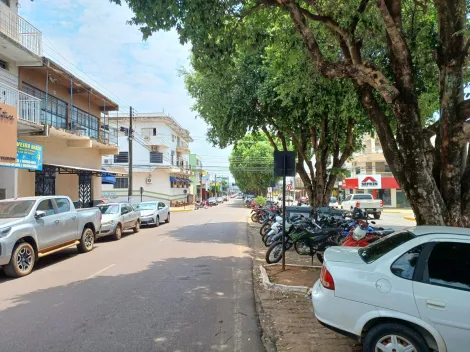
pixel 95 37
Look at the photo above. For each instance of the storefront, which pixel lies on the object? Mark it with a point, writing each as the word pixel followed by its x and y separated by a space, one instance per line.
pixel 384 188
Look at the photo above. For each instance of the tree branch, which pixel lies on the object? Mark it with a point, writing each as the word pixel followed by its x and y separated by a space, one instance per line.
pixel 361 9
pixel 271 139
pixel 431 130
pixel 349 148
pixel 464 110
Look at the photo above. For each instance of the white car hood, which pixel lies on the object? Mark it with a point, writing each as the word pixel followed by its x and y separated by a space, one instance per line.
pixel 10 222
pixel 344 255
pixel 144 213
pixel 108 217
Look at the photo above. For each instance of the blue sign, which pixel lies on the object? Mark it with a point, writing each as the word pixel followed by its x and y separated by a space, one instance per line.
pixel 28 156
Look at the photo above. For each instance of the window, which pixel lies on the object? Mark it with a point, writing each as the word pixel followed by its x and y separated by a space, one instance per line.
pixel 381 247
pixel 122 158
pixel 109 209
pixel 358 170
pixel 405 266
pixel 172 157
pixel 3 65
pixel 369 168
pixel 173 137
pixel 148 132
pixel 449 266
pixel 46 206
pixel 362 196
pixel 379 167
pixel 63 205
pixel 156 158
pixel 85 122
pixel 55 112
pixel 121 182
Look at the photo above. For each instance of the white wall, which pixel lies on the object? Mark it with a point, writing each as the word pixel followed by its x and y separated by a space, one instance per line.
pixel 8 181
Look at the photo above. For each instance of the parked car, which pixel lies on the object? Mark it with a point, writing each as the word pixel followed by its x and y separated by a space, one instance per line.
pixel 153 213
pixel 225 198
pixel 118 217
pixel 220 200
pixel 333 203
pixel 212 201
pixel 33 227
pixel 409 291
pixel 365 202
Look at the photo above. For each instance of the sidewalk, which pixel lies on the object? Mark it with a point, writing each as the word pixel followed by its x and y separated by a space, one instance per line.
pixel 181 209
pixel 286 318
pixel 398 211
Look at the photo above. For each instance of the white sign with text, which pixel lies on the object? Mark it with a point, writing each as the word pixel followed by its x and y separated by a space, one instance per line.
pixel 369 181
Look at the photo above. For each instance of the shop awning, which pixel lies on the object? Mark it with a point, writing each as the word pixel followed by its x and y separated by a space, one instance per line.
pixel 173 179
pixel 75 170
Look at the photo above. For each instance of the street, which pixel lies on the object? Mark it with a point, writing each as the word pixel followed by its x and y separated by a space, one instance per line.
pixel 184 286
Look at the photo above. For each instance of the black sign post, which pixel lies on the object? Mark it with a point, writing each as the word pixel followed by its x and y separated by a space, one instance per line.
pixel 284 165
pixel 141 193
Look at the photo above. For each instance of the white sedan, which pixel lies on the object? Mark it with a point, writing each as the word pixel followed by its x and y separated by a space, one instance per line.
pixel 153 213
pixel 409 291
pixel 333 203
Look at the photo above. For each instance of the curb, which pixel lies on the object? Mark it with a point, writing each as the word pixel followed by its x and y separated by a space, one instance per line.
pixel 286 288
pixel 180 210
pixel 397 211
pixel 411 218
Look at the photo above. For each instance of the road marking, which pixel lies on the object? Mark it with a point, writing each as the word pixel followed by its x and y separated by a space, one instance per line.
pixel 164 238
pixel 99 272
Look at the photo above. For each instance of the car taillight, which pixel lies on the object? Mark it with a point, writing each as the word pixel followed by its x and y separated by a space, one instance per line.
pixel 381 203
pixel 326 279
pixel 358 204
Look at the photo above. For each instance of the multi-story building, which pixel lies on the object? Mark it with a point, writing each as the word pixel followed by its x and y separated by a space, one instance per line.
pixel 54 123
pixel 197 187
pixel 371 163
pixel 161 167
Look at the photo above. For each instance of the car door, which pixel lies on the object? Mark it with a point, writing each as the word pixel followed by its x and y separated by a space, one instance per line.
pixel 163 211
pixel 125 215
pixel 68 221
pixel 134 216
pixel 442 293
pixel 47 227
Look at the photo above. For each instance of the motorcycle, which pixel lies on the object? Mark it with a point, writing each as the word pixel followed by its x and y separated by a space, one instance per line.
pixel 306 240
pixel 362 236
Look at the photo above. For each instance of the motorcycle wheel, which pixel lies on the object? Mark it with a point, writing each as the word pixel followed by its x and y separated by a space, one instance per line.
pixel 264 229
pixel 265 240
pixel 274 253
pixel 254 217
pixel 324 247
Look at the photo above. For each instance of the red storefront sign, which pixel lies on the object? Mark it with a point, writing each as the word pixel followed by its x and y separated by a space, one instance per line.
pixel 387 183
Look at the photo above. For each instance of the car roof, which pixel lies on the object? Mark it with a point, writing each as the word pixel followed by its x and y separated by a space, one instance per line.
pixel 438 230
pixel 30 198
pixel 151 202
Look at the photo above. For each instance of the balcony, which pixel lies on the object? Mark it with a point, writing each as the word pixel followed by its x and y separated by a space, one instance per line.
pixel 16 35
pixel 27 106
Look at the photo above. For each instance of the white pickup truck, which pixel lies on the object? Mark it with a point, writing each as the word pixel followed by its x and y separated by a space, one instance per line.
pixel 365 202
pixel 31 228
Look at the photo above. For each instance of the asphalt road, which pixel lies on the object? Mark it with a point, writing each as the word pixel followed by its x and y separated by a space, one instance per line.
pixel 184 286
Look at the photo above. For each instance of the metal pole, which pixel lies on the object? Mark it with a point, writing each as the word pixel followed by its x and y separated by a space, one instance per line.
pixel 131 135
pixel 284 214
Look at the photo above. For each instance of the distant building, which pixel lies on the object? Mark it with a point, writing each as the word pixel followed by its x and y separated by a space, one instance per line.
pixel 197 186
pixel 160 160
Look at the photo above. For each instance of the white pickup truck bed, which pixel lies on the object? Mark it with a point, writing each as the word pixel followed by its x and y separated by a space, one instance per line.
pixel 363 201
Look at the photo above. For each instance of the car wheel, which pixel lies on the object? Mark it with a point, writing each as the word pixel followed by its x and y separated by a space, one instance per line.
pixel 376 216
pixel 137 227
pixel 157 221
pixel 22 260
pixel 168 219
pixel 118 233
pixel 394 337
pixel 87 241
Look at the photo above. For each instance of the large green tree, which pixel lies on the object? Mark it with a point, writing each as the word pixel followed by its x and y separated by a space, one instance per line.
pixel 394 52
pixel 252 163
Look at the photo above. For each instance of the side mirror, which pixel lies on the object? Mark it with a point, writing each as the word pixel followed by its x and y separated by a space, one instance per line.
pixel 373 222
pixel 39 214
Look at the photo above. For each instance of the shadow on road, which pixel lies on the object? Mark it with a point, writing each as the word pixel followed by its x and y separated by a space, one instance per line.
pixel 213 232
pixel 178 304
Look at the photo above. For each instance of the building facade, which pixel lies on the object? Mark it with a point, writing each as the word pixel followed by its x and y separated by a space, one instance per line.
pixel 59 121
pixel 197 187
pixel 161 167
pixel 370 173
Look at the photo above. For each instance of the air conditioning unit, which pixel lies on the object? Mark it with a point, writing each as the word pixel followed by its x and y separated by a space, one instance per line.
pixel 148 180
pixel 154 148
pixel 107 161
pixel 147 139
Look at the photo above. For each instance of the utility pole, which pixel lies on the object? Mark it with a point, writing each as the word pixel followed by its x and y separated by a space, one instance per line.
pixel 215 188
pixel 131 136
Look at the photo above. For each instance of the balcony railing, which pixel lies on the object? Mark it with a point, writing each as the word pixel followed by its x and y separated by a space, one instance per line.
pixel 27 106
pixel 20 30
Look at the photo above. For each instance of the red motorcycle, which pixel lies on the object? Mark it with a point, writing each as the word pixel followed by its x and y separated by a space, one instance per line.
pixel 360 236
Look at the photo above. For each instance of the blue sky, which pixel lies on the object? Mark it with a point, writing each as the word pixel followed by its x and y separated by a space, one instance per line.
pixel 92 36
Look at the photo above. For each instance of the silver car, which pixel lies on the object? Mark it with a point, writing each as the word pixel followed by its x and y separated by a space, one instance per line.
pixel 118 217
pixel 153 213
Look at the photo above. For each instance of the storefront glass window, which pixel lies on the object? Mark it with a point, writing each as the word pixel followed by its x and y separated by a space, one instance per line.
pixel 385 195
pixel 402 202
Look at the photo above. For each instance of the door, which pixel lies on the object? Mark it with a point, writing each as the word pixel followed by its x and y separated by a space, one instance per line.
pixel 48 227
pixel 45 181
pixel 162 211
pixel 85 190
pixel 443 293
pixel 126 215
pixel 68 221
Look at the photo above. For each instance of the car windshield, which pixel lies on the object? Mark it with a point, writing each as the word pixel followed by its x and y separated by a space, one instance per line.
pixel 146 206
pixel 15 209
pixel 377 249
pixel 333 200
pixel 109 209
